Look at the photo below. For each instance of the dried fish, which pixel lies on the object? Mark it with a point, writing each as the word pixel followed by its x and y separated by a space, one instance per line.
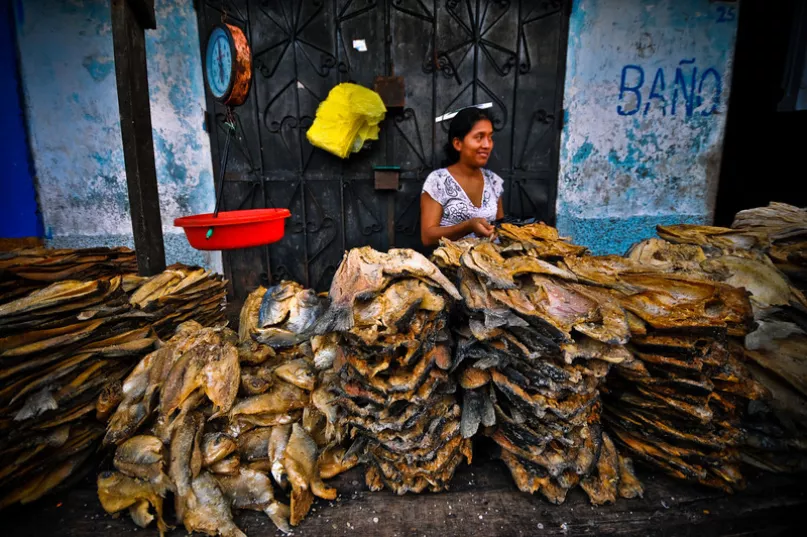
pixel 249 489
pixel 211 431
pixel 278 440
pixel 298 373
pixel 118 492
pixel 210 513
pixel 143 457
pixel 365 272
pixel 392 363
pixel 186 461
pixel 282 397
pixel 540 342
pixel 215 447
pixel 300 461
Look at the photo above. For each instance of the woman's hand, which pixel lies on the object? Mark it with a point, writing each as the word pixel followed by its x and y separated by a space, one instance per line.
pixel 480 227
pixel 431 232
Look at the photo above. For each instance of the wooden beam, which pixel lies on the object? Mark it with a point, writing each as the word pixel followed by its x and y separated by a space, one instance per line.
pixel 144 10
pixel 129 41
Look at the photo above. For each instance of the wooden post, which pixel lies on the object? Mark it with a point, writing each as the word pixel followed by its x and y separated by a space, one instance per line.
pixel 129 20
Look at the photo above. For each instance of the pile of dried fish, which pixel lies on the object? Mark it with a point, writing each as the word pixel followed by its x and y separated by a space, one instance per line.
pixel 534 347
pixel 60 346
pixel 288 375
pixel 178 294
pixel 678 404
pixel 775 426
pixel 390 310
pixel 785 227
pixel 198 366
pixel 23 271
pixel 224 422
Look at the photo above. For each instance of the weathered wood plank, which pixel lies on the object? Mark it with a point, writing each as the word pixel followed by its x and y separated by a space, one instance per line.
pixel 138 146
pixel 483 501
pixel 24 242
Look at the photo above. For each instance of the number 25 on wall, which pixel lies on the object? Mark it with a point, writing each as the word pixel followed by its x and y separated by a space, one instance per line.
pixel 726 13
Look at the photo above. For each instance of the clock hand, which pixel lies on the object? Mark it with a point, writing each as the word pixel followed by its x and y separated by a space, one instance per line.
pixel 221 68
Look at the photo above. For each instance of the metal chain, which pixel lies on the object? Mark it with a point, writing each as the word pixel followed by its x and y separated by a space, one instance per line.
pixel 229 122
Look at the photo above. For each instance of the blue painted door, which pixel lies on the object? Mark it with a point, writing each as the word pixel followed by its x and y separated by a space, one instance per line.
pixel 19 215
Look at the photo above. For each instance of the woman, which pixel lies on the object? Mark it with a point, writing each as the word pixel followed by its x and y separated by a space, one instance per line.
pixel 463 198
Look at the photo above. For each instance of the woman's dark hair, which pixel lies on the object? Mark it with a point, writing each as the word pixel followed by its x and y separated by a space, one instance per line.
pixel 460 126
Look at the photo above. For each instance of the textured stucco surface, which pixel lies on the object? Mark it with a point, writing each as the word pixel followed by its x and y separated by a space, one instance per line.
pixel 645 99
pixel 68 78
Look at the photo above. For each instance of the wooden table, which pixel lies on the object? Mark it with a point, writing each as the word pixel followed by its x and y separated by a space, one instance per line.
pixel 483 501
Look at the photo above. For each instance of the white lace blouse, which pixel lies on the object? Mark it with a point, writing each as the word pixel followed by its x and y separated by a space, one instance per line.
pixel 457 206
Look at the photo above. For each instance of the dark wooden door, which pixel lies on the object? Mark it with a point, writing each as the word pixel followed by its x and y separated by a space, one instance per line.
pixel 451 53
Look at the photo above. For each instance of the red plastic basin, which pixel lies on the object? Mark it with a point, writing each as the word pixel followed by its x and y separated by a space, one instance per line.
pixel 234 229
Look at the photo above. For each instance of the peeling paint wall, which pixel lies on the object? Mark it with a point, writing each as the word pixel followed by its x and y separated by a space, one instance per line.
pixel 645 99
pixel 70 93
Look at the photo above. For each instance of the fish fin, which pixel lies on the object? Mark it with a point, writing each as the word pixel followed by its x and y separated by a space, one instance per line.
pixel 139 512
pixel 279 474
pixel 163 484
pixel 356 449
pixel 36 404
pixel 321 490
pixel 301 500
pixel 279 513
pixel 335 319
pixel 471 414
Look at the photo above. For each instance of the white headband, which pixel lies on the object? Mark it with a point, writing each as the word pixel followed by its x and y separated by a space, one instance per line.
pixel 450 115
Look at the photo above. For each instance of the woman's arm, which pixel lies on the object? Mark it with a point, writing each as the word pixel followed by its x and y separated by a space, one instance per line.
pixel 431 232
pixel 500 209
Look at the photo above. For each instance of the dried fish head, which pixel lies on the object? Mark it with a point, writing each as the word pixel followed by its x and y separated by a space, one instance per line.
pixel 249 317
pixel 305 309
pixel 298 373
pixel 276 303
pixel 143 457
pixel 215 447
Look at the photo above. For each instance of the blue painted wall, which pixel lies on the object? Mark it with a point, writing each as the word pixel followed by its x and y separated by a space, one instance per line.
pixel 68 76
pixel 18 209
pixel 646 93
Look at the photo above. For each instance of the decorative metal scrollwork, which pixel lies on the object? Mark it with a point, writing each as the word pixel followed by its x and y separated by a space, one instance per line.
pixel 471 51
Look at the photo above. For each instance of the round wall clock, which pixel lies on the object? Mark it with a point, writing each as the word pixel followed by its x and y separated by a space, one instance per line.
pixel 228 64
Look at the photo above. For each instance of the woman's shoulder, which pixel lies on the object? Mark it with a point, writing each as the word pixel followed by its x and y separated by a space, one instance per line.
pixel 439 173
pixel 434 185
pixel 437 177
pixel 496 181
pixel 491 175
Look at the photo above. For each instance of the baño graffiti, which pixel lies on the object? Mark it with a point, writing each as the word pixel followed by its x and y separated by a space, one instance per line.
pixel 685 90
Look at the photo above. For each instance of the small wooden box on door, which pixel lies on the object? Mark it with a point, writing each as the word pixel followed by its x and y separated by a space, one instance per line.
pixel 450 53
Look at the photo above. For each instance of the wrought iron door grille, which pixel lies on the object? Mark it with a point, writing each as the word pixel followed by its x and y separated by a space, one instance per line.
pixel 451 53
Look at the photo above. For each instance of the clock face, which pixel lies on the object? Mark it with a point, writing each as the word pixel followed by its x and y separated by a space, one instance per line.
pixel 219 63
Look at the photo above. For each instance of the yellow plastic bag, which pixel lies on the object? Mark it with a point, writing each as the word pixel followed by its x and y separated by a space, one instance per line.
pixel 346 118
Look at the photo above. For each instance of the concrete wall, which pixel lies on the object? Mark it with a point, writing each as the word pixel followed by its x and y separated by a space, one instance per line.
pixel 68 76
pixel 647 86
pixel 18 208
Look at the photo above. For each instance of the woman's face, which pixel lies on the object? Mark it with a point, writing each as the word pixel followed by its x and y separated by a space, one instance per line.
pixel 475 148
